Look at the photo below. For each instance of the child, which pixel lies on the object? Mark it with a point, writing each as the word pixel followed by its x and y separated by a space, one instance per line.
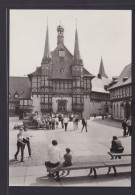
pixel 67 158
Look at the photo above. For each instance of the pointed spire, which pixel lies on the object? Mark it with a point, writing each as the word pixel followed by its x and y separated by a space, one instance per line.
pixel 76 47
pixel 47 49
pixel 102 70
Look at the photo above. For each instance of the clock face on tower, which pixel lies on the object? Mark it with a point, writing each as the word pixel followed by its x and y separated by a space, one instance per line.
pixel 61 53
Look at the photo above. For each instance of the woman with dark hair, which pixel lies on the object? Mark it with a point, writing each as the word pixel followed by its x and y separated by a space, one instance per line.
pixel 124 126
pixel 116 146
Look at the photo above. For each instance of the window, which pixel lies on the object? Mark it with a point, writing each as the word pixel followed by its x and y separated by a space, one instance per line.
pixel 11 106
pixel 36 82
pixel 21 102
pixel 16 95
pixel 25 102
pixel 86 83
pixel 60 84
pixel 44 81
pixel 46 99
pixel 78 99
pixel 9 95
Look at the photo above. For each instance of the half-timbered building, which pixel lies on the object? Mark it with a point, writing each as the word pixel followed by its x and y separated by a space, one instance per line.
pixel 61 83
pixel 121 94
pixel 100 97
pixel 20 100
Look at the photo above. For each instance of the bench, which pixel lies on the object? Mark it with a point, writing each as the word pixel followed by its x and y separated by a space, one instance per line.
pixel 92 165
pixel 118 155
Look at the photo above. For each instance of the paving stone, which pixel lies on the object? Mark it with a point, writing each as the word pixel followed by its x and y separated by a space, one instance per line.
pixel 93 145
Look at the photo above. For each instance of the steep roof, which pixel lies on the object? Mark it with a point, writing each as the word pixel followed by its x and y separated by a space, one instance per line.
pixel 37 72
pixel 21 85
pixel 86 73
pixel 98 84
pixel 126 72
pixel 76 48
pixel 47 48
pixel 102 70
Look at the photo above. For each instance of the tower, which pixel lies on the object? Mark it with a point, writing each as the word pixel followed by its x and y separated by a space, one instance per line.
pixel 46 72
pixel 77 66
pixel 102 70
pixel 60 34
pixel 77 73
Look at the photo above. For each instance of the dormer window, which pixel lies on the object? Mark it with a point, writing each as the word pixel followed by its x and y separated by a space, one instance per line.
pixel 16 95
pixel 125 78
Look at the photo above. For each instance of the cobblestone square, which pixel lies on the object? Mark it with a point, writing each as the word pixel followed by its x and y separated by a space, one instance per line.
pixel 94 143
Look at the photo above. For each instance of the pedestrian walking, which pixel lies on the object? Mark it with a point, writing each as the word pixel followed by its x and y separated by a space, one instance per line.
pixel 84 124
pixel 65 121
pixel 129 124
pixel 124 126
pixel 20 145
pixel 26 139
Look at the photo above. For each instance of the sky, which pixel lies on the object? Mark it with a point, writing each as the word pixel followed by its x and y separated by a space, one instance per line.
pixel 105 33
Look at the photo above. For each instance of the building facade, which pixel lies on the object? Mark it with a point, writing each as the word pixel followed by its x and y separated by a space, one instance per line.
pixel 61 84
pixel 121 94
pixel 20 101
pixel 100 97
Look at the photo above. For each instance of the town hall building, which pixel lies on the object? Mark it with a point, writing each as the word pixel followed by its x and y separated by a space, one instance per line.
pixel 61 84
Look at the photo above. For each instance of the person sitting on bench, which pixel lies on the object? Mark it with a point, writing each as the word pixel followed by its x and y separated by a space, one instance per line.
pixel 67 158
pixel 54 154
pixel 116 146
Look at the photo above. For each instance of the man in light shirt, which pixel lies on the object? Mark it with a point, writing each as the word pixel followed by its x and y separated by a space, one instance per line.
pixel 26 139
pixel 66 120
pixel 53 159
pixel 20 144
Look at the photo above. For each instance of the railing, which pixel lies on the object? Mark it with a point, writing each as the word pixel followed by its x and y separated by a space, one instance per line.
pixel 25 107
pixel 78 107
pixel 46 107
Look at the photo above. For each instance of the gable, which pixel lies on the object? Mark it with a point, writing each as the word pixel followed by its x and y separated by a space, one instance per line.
pixel 62 65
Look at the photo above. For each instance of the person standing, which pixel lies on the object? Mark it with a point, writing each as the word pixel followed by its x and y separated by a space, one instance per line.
pixel 129 124
pixel 20 145
pixel 26 139
pixel 65 121
pixel 50 123
pixel 84 123
pixel 53 123
pixel 53 158
pixel 124 126
pixel 62 119
pixel 57 121
pixel 76 123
